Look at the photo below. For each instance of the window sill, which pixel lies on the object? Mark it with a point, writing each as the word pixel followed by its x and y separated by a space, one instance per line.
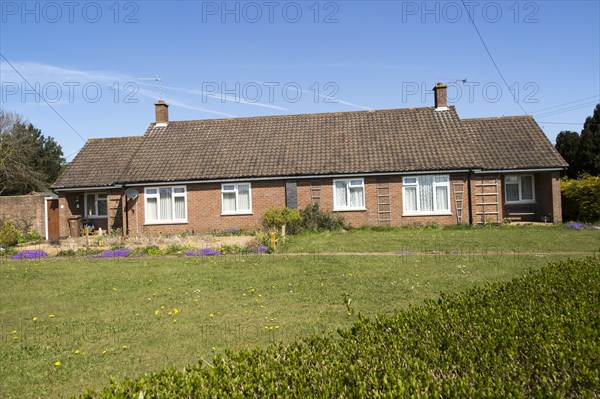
pixel 349 209
pixel 164 222
pixel 519 202
pixel 427 214
pixel 236 213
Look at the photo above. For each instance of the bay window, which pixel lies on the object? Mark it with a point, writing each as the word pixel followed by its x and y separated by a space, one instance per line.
pixel 519 188
pixel 348 194
pixel 236 198
pixel 166 204
pixel 427 194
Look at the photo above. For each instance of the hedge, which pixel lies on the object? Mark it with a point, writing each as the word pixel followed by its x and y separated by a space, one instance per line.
pixel 581 198
pixel 534 337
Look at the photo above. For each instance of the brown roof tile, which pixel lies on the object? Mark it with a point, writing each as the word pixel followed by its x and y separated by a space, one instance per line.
pixel 396 140
pixel 100 162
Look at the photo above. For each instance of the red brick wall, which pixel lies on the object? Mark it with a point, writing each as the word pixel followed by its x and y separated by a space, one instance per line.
pixel 25 211
pixel 204 204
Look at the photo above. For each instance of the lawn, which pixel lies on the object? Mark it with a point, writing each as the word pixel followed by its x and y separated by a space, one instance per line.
pixel 124 317
pixel 464 239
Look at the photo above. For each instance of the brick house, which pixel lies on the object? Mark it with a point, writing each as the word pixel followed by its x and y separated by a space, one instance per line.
pixel 394 167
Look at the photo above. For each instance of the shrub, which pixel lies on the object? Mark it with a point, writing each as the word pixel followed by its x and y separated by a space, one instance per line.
pixel 177 249
pixel 275 218
pixel 9 235
pixel 150 250
pixel 315 219
pixel 581 198
pixel 67 253
pixel 534 337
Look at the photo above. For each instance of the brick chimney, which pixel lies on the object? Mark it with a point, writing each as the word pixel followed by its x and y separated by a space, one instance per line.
pixel 440 94
pixel 162 113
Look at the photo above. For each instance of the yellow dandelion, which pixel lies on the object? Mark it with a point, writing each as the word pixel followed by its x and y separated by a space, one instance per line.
pixel 174 321
pixel 14 331
pixel 77 351
pixel 51 315
pixel 196 300
pixel 214 349
pixel 262 306
pixel 34 318
pixel 244 295
pixel 276 327
pixel 15 338
pixel 162 307
pixel 114 289
pixel 57 363
pixel 156 312
pixel 219 313
pixel 104 352
pixel 266 327
pixel 125 347
pixel 175 310
pixel 170 313
pixel 259 295
pixel 211 315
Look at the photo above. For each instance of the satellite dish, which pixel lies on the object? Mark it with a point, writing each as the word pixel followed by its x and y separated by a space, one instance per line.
pixel 131 193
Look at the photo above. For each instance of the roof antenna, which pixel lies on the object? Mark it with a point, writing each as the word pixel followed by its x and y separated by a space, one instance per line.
pixel 158 80
pixel 454 80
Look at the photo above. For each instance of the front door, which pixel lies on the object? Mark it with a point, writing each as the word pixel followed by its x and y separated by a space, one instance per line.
pixel 53 220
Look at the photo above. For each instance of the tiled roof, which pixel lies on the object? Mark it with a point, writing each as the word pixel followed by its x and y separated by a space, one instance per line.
pixel 512 142
pixel 396 140
pixel 100 163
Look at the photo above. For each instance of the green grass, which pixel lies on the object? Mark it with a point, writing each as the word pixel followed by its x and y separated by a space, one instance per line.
pixel 478 239
pixel 104 305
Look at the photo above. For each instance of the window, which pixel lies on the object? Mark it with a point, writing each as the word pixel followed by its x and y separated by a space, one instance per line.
pixel 96 205
pixel 519 188
pixel 236 198
pixel 348 194
pixel 166 204
pixel 428 194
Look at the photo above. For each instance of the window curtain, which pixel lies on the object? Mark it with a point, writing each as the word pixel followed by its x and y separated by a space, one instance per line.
pixel 91 205
pixel 152 208
pixel 426 194
pixel 526 187
pixel 229 202
pixel 410 198
pixel 180 208
pixel 341 196
pixel 166 204
pixel 441 198
pixel 357 199
pixel 512 192
pixel 243 197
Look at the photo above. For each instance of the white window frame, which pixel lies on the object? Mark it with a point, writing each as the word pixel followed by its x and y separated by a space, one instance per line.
pixel 157 196
pixel 416 184
pixel 348 181
pixel 236 191
pixel 518 182
pixel 95 214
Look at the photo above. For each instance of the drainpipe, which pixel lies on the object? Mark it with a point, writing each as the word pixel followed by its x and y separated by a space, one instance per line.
pixel 470 200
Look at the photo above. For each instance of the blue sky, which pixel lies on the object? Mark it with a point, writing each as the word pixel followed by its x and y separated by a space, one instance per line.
pixel 250 58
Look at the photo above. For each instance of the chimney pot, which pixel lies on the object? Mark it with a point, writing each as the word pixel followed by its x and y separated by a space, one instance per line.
pixel 441 97
pixel 161 109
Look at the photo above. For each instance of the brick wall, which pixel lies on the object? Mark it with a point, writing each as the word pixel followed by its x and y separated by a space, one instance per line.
pixel 71 205
pixel 205 207
pixel 26 211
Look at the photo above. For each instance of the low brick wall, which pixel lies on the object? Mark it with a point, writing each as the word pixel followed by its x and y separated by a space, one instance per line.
pixel 26 212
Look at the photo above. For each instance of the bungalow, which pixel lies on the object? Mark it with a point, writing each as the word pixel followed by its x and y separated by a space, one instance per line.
pixel 386 167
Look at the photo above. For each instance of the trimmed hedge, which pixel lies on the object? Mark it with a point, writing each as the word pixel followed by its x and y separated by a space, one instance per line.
pixel 536 336
pixel 581 198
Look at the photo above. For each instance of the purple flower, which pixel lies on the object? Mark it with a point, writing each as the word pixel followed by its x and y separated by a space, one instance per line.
pixel 29 254
pixel 204 252
pixel 117 253
pixel 234 230
pixel 576 226
pixel 260 249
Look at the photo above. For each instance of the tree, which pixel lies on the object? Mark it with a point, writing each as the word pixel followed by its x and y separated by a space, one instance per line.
pixel 590 144
pixel 567 144
pixel 582 151
pixel 28 160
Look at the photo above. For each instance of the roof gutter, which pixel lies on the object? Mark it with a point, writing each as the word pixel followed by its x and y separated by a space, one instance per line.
pixel 270 178
pixel 481 171
pixel 70 189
